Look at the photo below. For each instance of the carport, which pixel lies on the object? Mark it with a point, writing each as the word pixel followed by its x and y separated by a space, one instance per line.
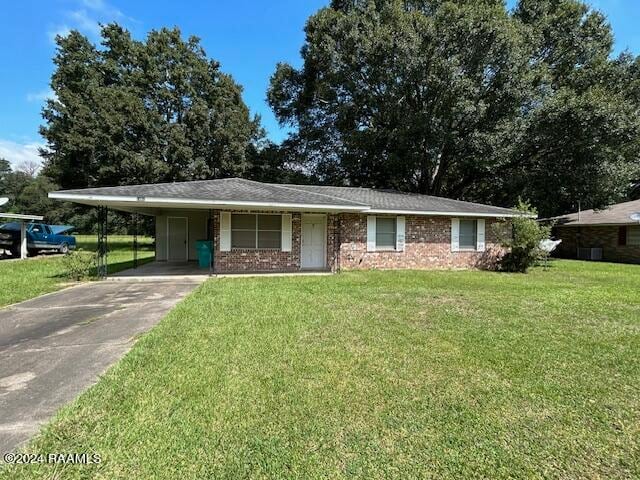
pixel 177 229
pixel 22 220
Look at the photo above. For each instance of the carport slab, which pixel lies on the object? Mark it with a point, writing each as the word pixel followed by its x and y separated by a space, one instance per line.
pixel 54 347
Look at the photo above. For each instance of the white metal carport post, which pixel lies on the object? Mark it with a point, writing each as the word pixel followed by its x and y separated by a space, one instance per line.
pixel 23 239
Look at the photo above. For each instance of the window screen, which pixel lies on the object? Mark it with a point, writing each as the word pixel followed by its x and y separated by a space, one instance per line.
pixel 385 232
pixel 633 235
pixel 269 231
pixel 256 231
pixel 468 234
pixel 243 231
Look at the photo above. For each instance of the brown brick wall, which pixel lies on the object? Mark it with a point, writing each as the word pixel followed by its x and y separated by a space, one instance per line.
pixel 257 260
pixel 427 245
pixel 595 237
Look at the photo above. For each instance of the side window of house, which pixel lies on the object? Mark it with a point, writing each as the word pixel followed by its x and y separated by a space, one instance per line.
pixel 385 233
pixel 256 231
pixel 633 235
pixel 468 234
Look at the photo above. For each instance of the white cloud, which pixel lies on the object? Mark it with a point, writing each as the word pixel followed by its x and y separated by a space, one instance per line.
pixel 102 7
pixel 87 19
pixel 41 96
pixel 85 23
pixel 62 30
pixel 19 153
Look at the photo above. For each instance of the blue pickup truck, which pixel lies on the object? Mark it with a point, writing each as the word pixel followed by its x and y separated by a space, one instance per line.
pixel 40 237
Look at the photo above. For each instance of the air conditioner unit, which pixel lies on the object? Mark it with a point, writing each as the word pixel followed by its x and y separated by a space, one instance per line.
pixel 590 254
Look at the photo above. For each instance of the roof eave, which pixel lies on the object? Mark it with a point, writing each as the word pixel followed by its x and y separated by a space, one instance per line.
pixel 450 214
pixel 20 216
pixel 123 201
pixel 613 224
pixel 162 202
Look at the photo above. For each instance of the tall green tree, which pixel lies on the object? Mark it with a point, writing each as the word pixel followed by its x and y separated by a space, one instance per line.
pixel 142 111
pixel 466 99
pixel 404 94
pixel 581 144
pixel 5 172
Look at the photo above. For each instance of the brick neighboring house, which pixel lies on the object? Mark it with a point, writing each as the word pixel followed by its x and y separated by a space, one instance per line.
pixel 608 234
pixel 260 227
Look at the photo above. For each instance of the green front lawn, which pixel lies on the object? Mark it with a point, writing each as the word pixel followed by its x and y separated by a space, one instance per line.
pixel 444 374
pixel 24 279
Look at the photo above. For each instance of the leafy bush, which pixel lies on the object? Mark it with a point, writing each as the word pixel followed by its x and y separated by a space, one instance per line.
pixel 79 264
pixel 522 240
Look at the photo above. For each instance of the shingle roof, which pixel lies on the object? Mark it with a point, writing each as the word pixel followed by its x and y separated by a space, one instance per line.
pixel 227 189
pixel 246 191
pixel 618 214
pixel 392 200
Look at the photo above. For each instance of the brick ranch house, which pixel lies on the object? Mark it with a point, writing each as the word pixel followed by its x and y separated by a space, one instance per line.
pixel 608 234
pixel 260 227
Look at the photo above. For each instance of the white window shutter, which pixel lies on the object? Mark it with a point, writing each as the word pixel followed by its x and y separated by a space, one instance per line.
pixel 480 235
pixel 455 234
pixel 371 233
pixel 400 222
pixel 225 231
pixel 286 232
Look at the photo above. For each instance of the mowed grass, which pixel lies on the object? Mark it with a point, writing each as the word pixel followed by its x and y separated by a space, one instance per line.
pixel 24 279
pixel 444 374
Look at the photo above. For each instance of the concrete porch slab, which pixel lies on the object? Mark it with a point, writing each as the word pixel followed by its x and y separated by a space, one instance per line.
pixel 161 271
pixel 167 272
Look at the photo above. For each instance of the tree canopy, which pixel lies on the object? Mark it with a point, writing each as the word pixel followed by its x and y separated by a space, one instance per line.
pixel 465 99
pixel 147 111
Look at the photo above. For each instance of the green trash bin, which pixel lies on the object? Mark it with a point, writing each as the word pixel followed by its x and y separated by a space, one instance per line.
pixel 205 252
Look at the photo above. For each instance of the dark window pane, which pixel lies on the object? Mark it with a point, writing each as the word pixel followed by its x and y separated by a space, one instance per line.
pixel 243 239
pixel 385 225
pixel 243 222
pixel 385 240
pixel 633 235
pixel 269 222
pixel 468 233
pixel 269 239
pixel 385 232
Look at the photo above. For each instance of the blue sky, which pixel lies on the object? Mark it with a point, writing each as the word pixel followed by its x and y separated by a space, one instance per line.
pixel 248 37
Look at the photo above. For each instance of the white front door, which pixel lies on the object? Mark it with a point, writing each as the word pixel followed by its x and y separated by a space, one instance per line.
pixel 177 239
pixel 313 241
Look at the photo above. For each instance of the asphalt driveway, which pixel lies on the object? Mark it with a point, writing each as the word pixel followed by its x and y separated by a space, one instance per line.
pixel 55 346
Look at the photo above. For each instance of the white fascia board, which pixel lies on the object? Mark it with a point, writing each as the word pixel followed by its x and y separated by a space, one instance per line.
pixel 449 214
pixel 92 198
pixel 244 204
pixel 185 202
pixel 576 225
pixel 19 216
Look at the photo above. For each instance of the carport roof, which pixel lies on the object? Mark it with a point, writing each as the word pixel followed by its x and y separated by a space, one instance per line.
pixel 239 193
pixel 20 216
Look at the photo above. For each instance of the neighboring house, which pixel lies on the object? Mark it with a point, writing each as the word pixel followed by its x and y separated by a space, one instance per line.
pixel 608 234
pixel 259 227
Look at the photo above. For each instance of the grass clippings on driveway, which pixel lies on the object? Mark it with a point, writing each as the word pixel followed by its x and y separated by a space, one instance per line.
pixel 374 375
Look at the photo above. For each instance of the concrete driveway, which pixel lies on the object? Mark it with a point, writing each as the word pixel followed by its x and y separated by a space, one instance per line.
pixel 55 346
